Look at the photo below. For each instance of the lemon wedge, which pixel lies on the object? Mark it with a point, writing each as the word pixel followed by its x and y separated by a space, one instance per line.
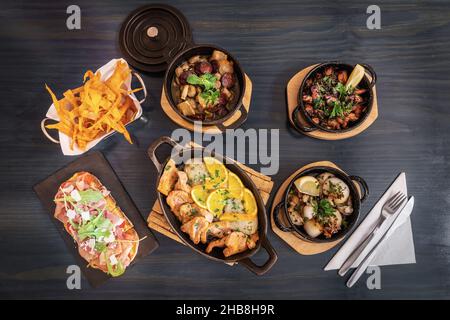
pixel 235 186
pixel 250 206
pixel 216 201
pixel 217 171
pixel 308 185
pixel 200 194
pixel 355 77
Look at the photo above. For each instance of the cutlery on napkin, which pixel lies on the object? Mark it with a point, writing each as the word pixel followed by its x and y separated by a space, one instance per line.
pixel 398 219
pixel 397 249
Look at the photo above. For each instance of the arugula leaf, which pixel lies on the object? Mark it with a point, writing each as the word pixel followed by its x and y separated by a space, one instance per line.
pixel 100 246
pixel 85 195
pixel 97 227
pixel 91 195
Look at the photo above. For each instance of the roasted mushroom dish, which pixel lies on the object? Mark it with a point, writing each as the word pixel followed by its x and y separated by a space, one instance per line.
pixel 320 204
pixel 333 100
pixel 204 88
pixel 212 205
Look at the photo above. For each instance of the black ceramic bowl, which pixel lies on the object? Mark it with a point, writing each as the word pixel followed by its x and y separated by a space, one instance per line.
pixel 207 49
pixel 244 257
pixel 365 83
pixel 357 199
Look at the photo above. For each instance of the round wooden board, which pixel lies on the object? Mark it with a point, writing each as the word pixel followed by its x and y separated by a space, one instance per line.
pixel 301 246
pixel 175 117
pixel 292 100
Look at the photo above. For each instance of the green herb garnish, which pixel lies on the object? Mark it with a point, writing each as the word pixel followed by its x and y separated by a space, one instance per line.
pixel 323 210
pixel 208 81
pixel 97 227
pixel 340 109
pixel 336 189
pixel 86 196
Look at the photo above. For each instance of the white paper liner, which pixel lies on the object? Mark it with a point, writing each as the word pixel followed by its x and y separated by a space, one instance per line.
pixel 64 140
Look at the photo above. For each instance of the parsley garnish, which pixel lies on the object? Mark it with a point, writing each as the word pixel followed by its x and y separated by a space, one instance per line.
pixel 323 210
pixel 208 82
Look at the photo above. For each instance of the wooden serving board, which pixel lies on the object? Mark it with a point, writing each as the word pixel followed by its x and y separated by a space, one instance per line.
pixel 175 117
pixel 157 221
pixel 292 89
pixel 291 238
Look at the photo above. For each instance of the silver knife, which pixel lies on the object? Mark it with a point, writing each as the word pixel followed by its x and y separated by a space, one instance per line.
pixel 405 212
pixel 355 254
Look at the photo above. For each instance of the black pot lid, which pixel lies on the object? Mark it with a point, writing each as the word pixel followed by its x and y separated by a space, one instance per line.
pixel 152 35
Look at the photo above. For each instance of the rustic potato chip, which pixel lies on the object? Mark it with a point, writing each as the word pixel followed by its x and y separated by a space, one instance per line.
pixel 96 108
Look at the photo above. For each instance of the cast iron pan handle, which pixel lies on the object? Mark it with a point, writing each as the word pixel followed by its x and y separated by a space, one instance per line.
pixel 372 73
pixel 155 145
pixel 260 270
pixel 364 186
pixel 297 124
pixel 276 218
pixel 237 123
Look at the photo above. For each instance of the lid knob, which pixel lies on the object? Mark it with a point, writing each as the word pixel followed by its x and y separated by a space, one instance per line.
pixel 151 35
pixel 152 32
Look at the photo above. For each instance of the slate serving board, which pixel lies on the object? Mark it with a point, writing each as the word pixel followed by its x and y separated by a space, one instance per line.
pixel 95 163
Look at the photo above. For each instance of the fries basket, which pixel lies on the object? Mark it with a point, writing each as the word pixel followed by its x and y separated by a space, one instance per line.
pixel 64 140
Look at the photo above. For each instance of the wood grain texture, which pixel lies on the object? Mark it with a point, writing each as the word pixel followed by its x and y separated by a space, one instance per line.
pixel 272 40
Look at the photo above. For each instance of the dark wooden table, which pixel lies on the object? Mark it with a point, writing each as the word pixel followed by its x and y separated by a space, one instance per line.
pixel 272 41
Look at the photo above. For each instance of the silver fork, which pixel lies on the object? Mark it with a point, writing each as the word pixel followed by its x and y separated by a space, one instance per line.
pixel 389 208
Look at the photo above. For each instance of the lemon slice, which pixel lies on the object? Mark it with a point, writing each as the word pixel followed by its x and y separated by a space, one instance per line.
pixel 218 173
pixel 355 77
pixel 235 186
pixel 216 201
pixel 308 185
pixel 250 206
pixel 200 194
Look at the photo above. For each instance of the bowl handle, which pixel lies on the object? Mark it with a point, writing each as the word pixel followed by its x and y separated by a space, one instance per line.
pixel 372 73
pixel 276 218
pixel 144 88
pixel 237 123
pixel 151 151
pixel 297 124
pixel 260 270
pixel 364 186
pixel 44 130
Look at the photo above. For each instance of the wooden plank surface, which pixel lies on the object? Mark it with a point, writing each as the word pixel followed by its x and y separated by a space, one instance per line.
pixel 272 41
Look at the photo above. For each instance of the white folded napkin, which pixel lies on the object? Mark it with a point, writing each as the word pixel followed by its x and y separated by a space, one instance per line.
pixel 397 249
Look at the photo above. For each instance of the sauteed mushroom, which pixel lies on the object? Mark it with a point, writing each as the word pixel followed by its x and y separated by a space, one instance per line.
pixel 208 83
pixel 321 204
